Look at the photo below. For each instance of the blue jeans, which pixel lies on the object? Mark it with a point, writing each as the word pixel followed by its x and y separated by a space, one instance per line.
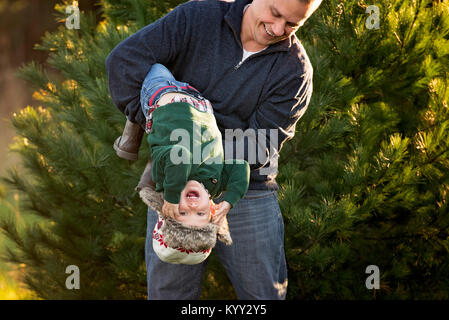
pixel 159 80
pixel 255 262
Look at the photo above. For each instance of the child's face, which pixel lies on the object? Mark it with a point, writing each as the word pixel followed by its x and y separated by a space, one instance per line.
pixel 194 205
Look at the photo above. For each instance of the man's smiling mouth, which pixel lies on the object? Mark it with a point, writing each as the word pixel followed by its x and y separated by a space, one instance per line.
pixel 268 32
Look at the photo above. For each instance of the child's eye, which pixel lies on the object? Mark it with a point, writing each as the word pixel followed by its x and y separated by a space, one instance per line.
pixel 182 213
pixel 201 214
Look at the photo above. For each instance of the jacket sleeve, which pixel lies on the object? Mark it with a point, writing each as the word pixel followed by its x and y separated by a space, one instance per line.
pixel 130 61
pixel 174 174
pixel 235 180
pixel 274 121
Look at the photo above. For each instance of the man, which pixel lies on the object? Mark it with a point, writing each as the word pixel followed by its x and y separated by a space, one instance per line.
pixel 244 57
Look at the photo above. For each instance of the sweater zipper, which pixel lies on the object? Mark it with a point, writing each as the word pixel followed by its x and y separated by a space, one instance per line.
pixel 239 64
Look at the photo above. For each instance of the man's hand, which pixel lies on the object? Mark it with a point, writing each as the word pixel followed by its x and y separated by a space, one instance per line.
pixel 221 210
pixel 170 210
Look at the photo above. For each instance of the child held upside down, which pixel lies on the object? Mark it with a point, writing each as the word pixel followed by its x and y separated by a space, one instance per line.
pixel 186 165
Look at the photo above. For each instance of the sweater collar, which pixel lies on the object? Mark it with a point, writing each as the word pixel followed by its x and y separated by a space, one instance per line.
pixel 234 18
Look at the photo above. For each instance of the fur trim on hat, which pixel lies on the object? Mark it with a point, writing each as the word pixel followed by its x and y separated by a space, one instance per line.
pixel 193 238
pixel 153 199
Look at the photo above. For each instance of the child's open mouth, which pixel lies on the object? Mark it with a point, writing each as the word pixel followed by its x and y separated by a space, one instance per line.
pixel 193 195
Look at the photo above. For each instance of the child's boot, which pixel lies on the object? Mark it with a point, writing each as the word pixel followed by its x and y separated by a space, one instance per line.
pixel 146 180
pixel 127 145
pixel 147 190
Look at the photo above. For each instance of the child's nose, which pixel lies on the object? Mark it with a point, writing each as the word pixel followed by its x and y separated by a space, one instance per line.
pixel 193 204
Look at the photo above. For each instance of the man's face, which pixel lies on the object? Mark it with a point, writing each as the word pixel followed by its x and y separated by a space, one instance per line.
pixel 271 21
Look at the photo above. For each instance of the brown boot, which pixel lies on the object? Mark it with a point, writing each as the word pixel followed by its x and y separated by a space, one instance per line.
pixel 146 180
pixel 127 145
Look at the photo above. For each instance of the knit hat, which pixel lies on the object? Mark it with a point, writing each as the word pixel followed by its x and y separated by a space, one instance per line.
pixel 176 243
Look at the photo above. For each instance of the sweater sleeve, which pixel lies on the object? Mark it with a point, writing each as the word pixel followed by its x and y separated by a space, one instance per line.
pixel 235 180
pixel 130 61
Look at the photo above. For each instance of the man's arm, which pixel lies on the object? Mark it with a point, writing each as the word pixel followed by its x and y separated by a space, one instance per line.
pixel 274 121
pixel 130 61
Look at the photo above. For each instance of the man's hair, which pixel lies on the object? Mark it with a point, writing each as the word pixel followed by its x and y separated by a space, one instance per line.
pixel 308 1
pixel 179 235
pixel 313 4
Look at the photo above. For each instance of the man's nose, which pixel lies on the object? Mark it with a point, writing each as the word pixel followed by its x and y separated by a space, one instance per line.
pixel 278 28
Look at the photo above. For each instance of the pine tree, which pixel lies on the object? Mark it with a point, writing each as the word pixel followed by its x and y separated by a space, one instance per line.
pixel 365 181
pixel 81 195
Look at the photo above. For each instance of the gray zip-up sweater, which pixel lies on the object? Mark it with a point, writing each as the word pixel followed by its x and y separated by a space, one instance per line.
pixel 199 41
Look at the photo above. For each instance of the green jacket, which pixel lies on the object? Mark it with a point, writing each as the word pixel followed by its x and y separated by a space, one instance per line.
pixel 186 145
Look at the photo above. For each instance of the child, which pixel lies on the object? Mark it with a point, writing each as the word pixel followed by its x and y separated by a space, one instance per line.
pixel 187 166
pixel 176 242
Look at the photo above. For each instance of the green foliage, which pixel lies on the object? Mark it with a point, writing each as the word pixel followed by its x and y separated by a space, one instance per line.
pixel 367 175
pixel 81 194
pixel 140 12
